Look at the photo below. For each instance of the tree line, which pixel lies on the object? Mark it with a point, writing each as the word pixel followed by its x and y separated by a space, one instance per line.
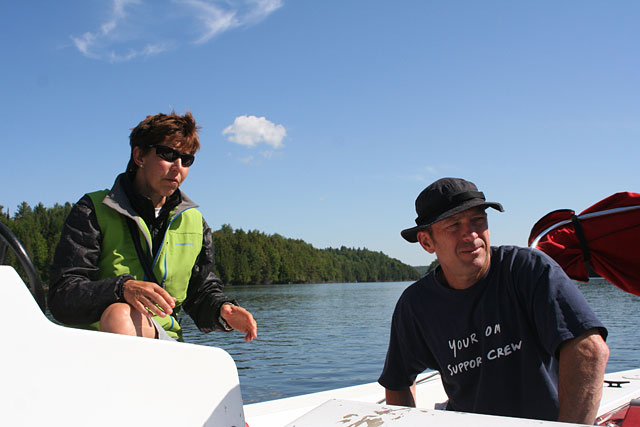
pixel 38 229
pixel 242 258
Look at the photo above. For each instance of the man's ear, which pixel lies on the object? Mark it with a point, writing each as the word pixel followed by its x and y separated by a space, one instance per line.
pixel 426 241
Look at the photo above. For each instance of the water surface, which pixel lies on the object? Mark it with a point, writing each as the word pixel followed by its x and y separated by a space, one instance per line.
pixel 316 337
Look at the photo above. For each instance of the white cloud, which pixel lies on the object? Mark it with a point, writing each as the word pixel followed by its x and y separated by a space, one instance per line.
pixel 142 28
pixel 431 170
pixel 214 19
pixel 252 130
pixel 415 177
pixel 420 175
pixel 220 16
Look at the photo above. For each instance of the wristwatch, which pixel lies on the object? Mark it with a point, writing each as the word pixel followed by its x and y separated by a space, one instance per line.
pixel 119 289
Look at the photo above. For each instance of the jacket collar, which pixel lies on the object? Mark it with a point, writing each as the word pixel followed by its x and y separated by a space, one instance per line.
pixel 125 200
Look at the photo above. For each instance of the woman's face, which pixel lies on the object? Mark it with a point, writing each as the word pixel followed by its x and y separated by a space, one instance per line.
pixel 156 177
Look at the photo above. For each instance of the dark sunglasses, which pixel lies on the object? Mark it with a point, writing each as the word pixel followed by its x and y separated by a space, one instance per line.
pixel 171 155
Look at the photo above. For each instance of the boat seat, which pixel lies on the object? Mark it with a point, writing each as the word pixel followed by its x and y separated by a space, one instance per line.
pixel 58 376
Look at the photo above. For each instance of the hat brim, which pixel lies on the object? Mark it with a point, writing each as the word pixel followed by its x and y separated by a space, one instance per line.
pixel 411 234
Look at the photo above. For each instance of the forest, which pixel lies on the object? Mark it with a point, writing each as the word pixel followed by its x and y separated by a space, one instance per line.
pixel 242 258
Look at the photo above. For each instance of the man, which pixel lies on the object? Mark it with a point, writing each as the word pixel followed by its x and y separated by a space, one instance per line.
pixel 506 328
pixel 129 258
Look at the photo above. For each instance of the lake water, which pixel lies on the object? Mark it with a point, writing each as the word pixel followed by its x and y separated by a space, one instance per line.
pixel 316 337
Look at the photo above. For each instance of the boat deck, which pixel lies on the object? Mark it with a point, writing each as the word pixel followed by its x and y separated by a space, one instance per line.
pixel 76 378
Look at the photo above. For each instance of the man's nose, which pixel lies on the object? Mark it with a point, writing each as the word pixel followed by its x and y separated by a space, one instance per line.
pixel 469 230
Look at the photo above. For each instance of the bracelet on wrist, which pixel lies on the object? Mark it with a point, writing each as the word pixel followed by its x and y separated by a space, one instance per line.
pixel 119 289
pixel 223 322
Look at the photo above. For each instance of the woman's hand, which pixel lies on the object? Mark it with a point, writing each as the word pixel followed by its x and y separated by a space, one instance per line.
pixel 148 298
pixel 240 320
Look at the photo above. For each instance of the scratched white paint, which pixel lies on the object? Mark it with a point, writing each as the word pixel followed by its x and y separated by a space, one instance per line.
pixel 346 413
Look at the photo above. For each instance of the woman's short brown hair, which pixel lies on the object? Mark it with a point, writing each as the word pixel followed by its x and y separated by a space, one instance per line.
pixel 180 131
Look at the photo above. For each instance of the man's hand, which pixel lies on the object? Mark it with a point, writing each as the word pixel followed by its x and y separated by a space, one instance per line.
pixel 580 377
pixel 148 298
pixel 240 320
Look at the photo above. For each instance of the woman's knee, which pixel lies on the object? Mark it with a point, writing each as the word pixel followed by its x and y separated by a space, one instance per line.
pixel 121 318
pixel 117 319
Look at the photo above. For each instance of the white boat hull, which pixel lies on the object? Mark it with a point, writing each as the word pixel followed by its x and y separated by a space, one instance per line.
pixel 349 413
pixel 298 410
pixel 59 376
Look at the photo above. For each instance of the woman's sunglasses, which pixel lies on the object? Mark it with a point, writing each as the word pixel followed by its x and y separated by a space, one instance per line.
pixel 171 155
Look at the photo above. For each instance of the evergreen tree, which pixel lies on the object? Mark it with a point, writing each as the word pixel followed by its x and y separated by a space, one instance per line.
pixel 241 257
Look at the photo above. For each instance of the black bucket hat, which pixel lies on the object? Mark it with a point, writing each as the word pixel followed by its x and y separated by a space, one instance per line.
pixel 444 198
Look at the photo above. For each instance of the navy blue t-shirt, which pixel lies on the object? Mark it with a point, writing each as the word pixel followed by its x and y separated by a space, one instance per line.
pixel 495 343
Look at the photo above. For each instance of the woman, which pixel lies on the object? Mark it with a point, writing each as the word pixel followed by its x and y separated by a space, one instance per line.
pixel 131 257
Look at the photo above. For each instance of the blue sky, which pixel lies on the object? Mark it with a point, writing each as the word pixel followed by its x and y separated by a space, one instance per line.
pixel 323 120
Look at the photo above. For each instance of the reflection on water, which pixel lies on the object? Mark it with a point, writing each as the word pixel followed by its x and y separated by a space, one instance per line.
pixel 317 337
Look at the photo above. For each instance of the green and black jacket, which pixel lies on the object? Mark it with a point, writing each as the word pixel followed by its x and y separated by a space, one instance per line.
pixel 96 254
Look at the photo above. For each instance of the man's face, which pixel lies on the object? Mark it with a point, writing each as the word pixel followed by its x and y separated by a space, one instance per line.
pixel 461 243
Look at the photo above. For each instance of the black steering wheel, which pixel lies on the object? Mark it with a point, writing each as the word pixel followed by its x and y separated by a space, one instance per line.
pixel 8 240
